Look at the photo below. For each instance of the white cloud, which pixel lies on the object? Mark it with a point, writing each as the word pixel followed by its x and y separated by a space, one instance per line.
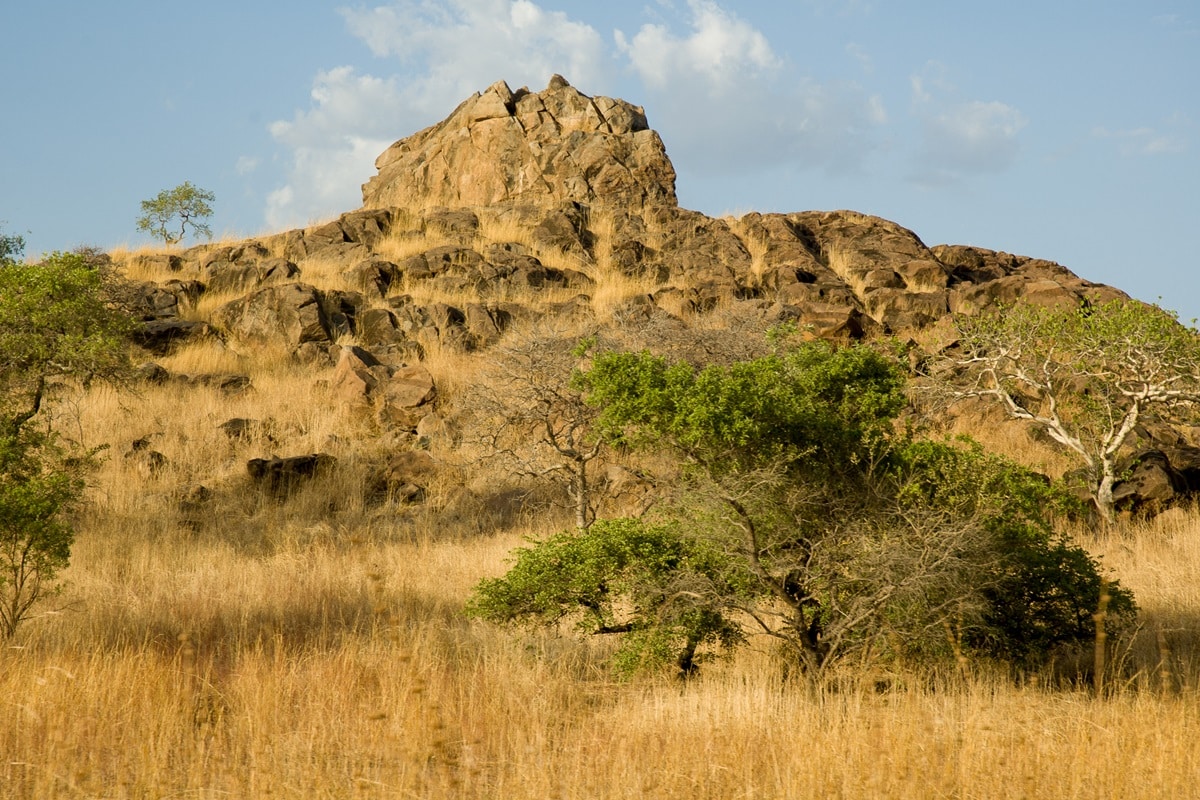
pixel 333 145
pixel 245 165
pixel 960 138
pixel 1142 141
pixel 721 47
pixel 725 101
pixel 446 51
pixel 1176 23
pixel 466 45
pixel 859 54
pixel 841 8
pixel 719 94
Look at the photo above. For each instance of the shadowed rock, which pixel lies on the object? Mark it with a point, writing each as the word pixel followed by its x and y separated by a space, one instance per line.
pixel 282 476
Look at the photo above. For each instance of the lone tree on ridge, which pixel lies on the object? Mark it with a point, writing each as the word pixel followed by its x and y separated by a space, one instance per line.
pixel 185 205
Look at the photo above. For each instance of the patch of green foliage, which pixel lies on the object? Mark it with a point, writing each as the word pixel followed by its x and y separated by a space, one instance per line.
pixel 56 329
pixel 815 403
pixel 37 487
pixel 802 512
pixel 1087 376
pixel 12 247
pixel 186 205
pixel 1038 589
pixel 667 591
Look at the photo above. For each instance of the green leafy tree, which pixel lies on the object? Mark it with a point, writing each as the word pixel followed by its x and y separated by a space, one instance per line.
pixel 38 487
pixel 1035 590
pixel 830 531
pixel 55 328
pixel 1086 376
pixel 185 206
pixel 12 247
pixel 670 594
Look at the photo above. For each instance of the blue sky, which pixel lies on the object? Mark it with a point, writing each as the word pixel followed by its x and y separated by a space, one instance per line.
pixel 1064 130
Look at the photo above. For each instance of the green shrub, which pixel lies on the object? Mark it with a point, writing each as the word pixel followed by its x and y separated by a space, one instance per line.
pixel 802 513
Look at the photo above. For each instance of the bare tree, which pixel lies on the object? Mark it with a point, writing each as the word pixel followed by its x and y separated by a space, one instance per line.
pixel 1086 376
pixel 530 417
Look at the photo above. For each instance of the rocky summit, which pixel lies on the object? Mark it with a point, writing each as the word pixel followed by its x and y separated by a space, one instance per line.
pixel 554 145
pixel 529 205
pixel 554 163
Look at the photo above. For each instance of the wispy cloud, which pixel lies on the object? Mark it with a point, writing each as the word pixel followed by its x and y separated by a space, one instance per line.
pixel 859 54
pixel 245 165
pixel 720 48
pixel 724 100
pixel 960 138
pixel 843 8
pixel 461 46
pixel 1177 23
pixel 720 95
pixel 333 145
pixel 1142 141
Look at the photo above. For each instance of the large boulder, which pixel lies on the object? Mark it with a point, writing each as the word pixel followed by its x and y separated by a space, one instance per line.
pixel 292 313
pixel 1151 483
pixel 404 397
pixel 151 301
pixel 404 476
pixel 869 253
pixel 983 279
pixel 554 145
pixel 357 375
pixel 159 336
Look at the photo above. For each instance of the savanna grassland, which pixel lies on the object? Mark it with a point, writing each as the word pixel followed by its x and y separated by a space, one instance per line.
pixel 316 647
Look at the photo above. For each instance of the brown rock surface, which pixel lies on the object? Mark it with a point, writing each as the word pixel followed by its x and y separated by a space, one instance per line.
pixel 553 145
pixel 291 312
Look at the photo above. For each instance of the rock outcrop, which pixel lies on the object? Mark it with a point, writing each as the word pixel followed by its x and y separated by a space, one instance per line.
pixel 523 206
pixel 533 147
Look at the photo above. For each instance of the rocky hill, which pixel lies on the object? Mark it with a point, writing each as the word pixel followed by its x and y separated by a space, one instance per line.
pixel 584 185
pixel 522 207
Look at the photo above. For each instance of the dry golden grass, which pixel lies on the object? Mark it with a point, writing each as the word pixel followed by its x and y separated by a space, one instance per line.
pixel 317 648
pixel 756 244
pixel 990 426
pixel 404 243
pixel 344 668
pixel 291 650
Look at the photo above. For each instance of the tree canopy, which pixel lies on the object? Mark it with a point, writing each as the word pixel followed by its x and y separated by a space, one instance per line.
pixel 1086 375
pixel 186 205
pixel 12 247
pixel 55 322
pixel 55 326
pixel 820 524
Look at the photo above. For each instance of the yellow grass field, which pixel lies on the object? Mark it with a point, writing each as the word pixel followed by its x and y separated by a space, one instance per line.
pixel 317 648
pixel 329 667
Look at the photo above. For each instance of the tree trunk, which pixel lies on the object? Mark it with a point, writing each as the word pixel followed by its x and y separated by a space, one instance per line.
pixel 1103 496
pixel 581 496
pixel 687 659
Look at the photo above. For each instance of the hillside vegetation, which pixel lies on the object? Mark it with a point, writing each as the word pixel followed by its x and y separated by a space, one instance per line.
pixel 331 437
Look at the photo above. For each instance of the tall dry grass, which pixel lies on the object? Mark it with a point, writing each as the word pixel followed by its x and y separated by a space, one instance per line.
pixel 345 669
pixel 309 652
pixel 316 648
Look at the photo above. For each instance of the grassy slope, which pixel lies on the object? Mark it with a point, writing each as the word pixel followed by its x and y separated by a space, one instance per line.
pixel 316 649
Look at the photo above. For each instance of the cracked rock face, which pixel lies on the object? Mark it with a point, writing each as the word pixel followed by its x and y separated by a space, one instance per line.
pixel 556 145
